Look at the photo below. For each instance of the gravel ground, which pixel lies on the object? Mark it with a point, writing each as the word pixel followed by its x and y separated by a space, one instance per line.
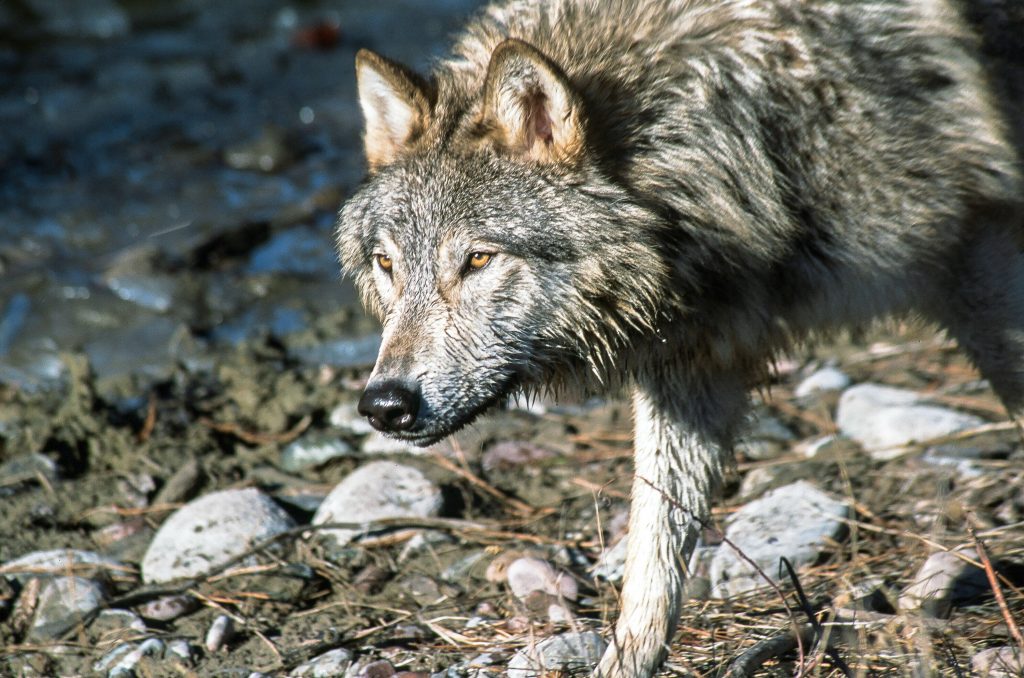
pixel 186 490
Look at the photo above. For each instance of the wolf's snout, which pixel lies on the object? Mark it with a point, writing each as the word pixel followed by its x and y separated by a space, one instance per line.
pixel 390 405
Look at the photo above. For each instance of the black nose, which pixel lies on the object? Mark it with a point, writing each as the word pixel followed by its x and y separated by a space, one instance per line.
pixel 390 405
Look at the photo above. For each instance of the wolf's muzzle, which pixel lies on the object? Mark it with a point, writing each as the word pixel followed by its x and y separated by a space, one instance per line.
pixel 391 405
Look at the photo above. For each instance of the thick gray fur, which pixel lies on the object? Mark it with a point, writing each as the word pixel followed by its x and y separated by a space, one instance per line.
pixel 671 193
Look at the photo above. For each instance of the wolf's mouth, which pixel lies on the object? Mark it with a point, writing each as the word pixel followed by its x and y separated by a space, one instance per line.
pixel 429 436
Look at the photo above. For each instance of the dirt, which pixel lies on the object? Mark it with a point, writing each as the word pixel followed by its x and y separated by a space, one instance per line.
pixel 553 485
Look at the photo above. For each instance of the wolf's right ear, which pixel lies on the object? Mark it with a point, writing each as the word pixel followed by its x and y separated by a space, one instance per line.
pixel 530 107
pixel 396 106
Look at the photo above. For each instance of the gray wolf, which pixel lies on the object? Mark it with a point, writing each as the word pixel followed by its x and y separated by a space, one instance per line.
pixel 662 195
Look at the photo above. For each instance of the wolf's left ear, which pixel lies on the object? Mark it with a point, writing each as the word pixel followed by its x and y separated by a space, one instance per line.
pixel 395 103
pixel 530 106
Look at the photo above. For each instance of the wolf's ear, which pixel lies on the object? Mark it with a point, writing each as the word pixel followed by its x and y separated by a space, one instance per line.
pixel 530 106
pixel 395 103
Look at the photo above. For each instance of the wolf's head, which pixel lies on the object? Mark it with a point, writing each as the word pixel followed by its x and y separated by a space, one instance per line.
pixel 488 241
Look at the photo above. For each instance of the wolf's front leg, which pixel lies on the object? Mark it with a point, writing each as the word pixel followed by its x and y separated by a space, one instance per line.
pixel 682 437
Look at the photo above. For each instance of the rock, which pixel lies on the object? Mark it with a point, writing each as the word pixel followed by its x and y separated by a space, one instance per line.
pixel 611 565
pixel 568 653
pixel 884 419
pixel 766 438
pixel 151 647
pixel 825 379
pixel 61 562
pixel 63 603
pixel 341 353
pixel 526 575
pixel 794 521
pixel 168 608
pixel 999 662
pixel 220 632
pixel 26 468
pixel 110 659
pixel 510 454
pixel 113 622
pixel 380 668
pixel 346 417
pixel 328 665
pixel 378 444
pixel 381 489
pixel 760 479
pixel 943 580
pixel 180 649
pixel 210 531
pixel 313 450
pixel 155 292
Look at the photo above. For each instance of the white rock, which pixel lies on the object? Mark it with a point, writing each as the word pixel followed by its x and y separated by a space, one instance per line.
pixel 378 444
pixel 526 575
pixel 381 489
pixel 793 521
pixel 884 419
pixel 943 578
pixel 328 665
pixel 313 450
pixel 568 653
pixel 611 565
pixel 999 662
pixel 220 632
pixel 347 418
pixel 64 602
pixel 61 562
pixel 210 531
pixel 825 379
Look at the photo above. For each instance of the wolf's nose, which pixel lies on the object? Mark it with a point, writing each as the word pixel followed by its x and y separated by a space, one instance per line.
pixel 390 405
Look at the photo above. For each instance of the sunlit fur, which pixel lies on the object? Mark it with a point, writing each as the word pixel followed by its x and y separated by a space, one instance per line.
pixel 674 192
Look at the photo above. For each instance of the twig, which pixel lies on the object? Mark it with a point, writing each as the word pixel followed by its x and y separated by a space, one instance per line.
pixel 752 659
pixel 990 572
pixel 517 506
pixel 257 438
pixel 150 422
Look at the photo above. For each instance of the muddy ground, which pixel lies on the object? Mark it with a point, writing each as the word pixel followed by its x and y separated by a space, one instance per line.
pixel 171 320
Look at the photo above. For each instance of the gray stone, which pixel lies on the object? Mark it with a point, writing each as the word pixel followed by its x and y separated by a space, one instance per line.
pixel 794 522
pixel 943 580
pixel 569 653
pixel 884 420
pixel 28 467
pixel 63 603
pixel 220 632
pixel 381 489
pixel 526 575
pixel 328 665
pixel 825 379
pixel 110 659
pixel 346 417
pixel 611 565
pixel 151 647
pixel 168 608
pixel 61 562
pixel 999 662
pixel 210 531
pixel 313 450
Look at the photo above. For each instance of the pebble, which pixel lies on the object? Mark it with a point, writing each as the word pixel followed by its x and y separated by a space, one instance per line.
pixel 765 439
pixel 795 521
pixel 611 565
pixel 381 489
pixel 151 647
pixel 180 649
pixel 104 663
pixel 27 468
pixel 210 531
pixel 884 419
pixel 328 665
pixel 168 608
pixel 526 575
pixel 60 562
pixel 63 603
pixel 943 580
pixel 999 662
pixel 825 379
pixel 346 417
pixel 378 444
pixel 220 632
pixel 313 450
pixel 568 653
pixel 116 620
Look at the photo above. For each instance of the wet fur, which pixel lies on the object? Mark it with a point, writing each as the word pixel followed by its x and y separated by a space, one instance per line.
pixel 674 192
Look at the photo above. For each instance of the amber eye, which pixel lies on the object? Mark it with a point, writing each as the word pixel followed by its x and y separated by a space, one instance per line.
pixel 478 260
pixel 384 261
